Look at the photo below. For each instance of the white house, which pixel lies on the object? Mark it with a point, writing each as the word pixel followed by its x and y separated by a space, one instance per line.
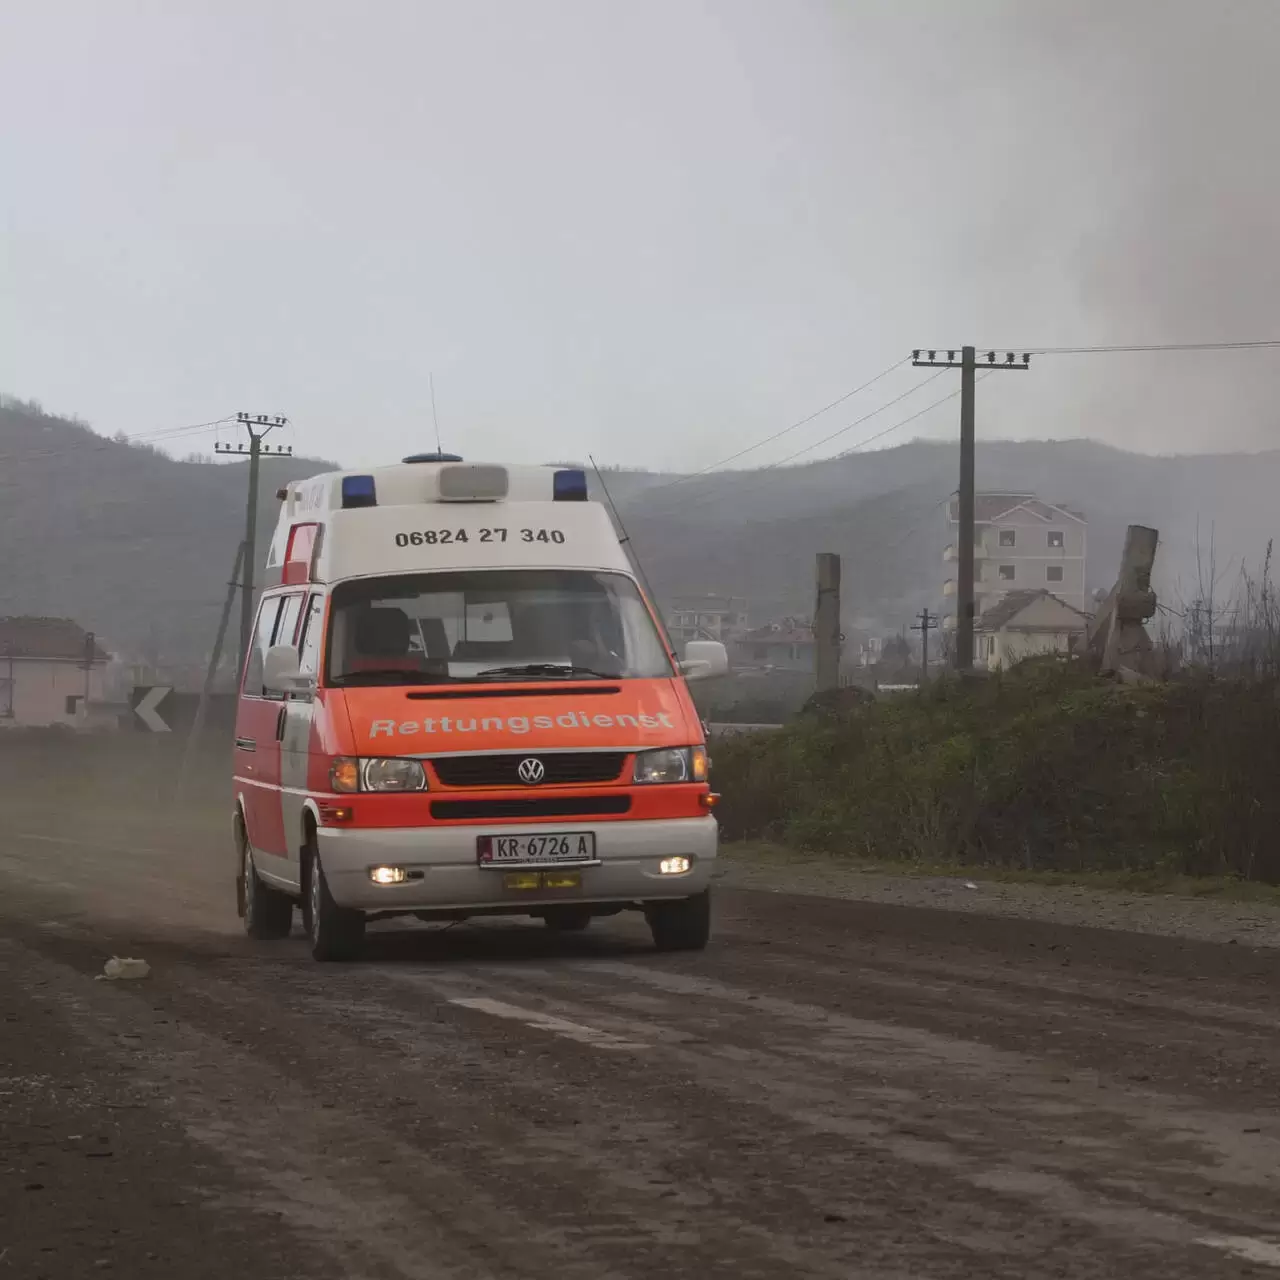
pixel 48 667
pixel 1023 544
pixel 1025 624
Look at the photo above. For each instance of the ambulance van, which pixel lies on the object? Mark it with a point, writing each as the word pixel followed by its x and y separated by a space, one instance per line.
pixel 459 702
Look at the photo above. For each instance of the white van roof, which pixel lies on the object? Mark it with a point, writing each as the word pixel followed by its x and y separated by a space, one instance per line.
pixel 437 512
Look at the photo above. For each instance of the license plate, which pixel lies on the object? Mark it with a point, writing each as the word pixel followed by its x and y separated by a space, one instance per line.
pixel 536 850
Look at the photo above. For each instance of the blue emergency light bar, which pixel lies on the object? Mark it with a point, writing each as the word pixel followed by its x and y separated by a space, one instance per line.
pixel 569 486
pixel 359 491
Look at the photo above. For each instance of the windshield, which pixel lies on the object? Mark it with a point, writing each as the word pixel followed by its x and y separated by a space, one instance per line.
pixel 492 626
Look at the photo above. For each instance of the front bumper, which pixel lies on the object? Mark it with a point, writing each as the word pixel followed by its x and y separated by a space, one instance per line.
pixel 628 855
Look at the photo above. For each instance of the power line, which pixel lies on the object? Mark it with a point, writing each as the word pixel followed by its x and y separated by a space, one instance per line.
pixel 866 417
pixel 919 413
pixel 1259 345
pixel 777 435
pixel 162 435
pixel 941 501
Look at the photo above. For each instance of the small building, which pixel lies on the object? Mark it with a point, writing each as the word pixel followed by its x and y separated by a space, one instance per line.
pixel 706 618
pixel 48 667
pixel 1025 624
pixel 1023 544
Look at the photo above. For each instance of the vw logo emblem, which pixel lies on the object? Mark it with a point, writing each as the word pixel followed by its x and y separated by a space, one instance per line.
pixel 531 771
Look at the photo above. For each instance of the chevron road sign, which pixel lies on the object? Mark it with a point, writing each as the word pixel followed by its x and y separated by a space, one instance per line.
pixel 147 702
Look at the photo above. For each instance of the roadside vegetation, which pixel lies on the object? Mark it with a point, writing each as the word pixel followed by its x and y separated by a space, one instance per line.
pixel 1044 769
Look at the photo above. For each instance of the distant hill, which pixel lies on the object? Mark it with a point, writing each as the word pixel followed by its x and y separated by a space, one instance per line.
pixel 132 544
pixel 885 513
pixel 138 546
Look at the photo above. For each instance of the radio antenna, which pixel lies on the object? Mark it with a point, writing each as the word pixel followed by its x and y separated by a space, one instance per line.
pixel 434 419
pixel 629 548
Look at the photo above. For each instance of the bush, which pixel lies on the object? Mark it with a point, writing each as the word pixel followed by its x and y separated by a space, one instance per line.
pixel 1044 768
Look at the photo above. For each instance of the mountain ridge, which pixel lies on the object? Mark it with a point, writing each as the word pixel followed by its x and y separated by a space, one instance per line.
pixel 138 546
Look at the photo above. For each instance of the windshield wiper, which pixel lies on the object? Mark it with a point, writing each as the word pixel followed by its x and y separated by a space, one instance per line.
pixel 395 675
pixel 542 671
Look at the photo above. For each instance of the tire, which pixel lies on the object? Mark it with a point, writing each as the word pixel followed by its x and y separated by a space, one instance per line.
pixel 335 933
pixel 567 919
pixel 267 913
pixel 682 925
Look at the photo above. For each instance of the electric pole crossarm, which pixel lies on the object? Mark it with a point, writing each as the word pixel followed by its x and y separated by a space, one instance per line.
pixel 987 360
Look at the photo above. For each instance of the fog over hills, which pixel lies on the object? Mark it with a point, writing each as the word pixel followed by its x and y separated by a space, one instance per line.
pixel 138 546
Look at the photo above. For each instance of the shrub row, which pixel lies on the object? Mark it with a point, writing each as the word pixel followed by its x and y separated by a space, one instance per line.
pixel 1045 768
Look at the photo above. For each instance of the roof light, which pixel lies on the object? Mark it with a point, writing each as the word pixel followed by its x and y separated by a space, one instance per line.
pixel 432 457
pixel 569 486
pixel 359 491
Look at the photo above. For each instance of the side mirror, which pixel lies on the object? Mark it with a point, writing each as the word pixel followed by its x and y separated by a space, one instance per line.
pixel 280 672
pixel 704 659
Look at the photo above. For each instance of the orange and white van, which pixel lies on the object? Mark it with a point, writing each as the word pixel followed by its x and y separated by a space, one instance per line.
pixel 457 702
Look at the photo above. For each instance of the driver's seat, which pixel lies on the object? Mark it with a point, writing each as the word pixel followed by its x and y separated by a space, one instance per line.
pixel 381 639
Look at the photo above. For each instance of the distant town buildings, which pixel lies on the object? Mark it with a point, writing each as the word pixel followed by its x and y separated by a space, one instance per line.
pixel 780 646
pixel 707 617
pixel 1022 544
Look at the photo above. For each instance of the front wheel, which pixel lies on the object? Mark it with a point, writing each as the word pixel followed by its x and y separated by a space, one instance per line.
pixel 267 913
pixel 335 933
pixel 682 925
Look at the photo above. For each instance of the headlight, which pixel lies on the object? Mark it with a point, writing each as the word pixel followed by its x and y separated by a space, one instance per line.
pixel 393 775
pixel 669 764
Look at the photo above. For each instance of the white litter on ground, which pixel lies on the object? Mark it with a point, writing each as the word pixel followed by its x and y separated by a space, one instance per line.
pixel 119 969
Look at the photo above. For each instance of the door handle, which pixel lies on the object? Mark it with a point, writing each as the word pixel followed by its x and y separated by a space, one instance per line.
pixel 246 744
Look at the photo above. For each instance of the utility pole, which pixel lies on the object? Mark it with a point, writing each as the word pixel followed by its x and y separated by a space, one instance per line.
pixel 258 426
pixel 90 652
pixel 968 365
pixel 928 622
pixel 826 623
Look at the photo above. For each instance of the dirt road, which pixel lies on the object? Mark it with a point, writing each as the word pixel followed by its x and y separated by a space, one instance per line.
pixel 835 1089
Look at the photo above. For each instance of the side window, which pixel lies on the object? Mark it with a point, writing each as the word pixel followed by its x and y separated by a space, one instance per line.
pixel 287 627
pixel 312 633
pixel 268 612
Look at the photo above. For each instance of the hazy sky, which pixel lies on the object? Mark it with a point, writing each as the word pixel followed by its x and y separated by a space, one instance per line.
pixel 653 231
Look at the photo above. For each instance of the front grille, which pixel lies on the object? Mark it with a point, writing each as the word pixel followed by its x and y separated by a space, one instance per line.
pixel 561 767
pixel 548 807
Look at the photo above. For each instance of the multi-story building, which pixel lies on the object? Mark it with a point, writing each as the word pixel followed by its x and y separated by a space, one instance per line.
pixel 706 618
pixel 1023 544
